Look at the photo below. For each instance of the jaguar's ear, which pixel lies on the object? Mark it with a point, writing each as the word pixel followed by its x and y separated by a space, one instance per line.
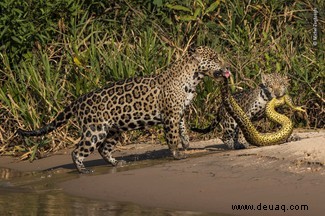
pixel 191 49
pixel 193 53
pixel 264 78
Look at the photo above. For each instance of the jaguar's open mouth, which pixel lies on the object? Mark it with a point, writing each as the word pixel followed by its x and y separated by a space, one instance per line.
pixel 222 72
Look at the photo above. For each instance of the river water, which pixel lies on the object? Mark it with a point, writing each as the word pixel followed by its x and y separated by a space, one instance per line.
pixel 37 193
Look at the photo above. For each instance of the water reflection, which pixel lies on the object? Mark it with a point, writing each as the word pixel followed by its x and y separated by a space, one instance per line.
pixel 19 201
pixel 36 193
pixel 6 174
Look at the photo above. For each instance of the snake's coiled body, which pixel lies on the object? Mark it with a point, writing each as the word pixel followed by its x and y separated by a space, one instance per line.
pixel 249 131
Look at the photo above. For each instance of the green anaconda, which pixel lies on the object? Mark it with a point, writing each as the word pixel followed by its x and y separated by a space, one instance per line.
pixel 249 131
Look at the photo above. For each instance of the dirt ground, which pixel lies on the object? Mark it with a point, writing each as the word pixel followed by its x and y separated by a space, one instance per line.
pixel 276 180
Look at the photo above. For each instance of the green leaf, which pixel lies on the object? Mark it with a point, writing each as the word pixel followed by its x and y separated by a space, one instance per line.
pixel 197 12
pixel 278 67
pixel 14 38
pixel 28 55
pixel 265 35
pixel 168 21
pixel 200 3
pixel 4 30
pixel 187 18
pixel 178 7
pixel 212 7
pixel 159 3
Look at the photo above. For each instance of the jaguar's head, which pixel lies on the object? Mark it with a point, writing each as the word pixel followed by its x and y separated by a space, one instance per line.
pixel 209 62
pixel 275 83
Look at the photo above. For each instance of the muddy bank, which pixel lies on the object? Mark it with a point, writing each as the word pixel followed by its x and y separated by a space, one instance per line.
pixel 288 178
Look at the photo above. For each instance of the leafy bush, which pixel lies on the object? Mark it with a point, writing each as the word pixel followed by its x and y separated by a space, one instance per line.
pixel 52 52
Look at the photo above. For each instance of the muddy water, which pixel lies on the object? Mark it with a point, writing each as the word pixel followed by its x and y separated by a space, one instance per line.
pixel 37 193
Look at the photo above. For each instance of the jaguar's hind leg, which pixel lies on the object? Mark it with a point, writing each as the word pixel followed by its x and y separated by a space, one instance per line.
pixel 93 136
pixel 80 153
pixel 107 147
pixel 228 139
pixel 232 135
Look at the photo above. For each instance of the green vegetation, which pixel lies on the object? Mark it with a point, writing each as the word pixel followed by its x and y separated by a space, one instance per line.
pixel 51 52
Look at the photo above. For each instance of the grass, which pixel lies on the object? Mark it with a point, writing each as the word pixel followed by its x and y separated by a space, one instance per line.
pixel 73 47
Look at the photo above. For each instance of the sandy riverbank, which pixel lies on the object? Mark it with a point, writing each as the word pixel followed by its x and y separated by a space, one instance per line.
pixel 282 175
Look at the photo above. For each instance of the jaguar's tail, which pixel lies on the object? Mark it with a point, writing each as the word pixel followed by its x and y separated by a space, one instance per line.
pixel 61 119
pixel 210 128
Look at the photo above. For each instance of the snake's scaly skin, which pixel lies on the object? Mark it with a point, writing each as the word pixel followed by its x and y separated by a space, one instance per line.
pixel 249 131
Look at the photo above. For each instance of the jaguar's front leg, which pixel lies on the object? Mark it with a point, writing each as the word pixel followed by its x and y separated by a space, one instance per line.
pixel 172 132
pixel 183 134
pixel 240 141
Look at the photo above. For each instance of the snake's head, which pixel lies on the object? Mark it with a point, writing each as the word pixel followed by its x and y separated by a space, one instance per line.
pixel 223 72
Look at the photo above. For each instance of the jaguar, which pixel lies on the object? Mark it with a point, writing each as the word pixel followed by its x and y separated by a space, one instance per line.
pixel 249 131
pixel 253 102
pixel 137 103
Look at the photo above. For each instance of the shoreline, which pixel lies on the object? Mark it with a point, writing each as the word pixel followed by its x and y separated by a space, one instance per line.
pixel 211 180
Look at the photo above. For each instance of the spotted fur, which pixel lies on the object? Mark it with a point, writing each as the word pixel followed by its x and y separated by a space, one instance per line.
pixel 249 131
pixel 253 103
pixel 136 103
